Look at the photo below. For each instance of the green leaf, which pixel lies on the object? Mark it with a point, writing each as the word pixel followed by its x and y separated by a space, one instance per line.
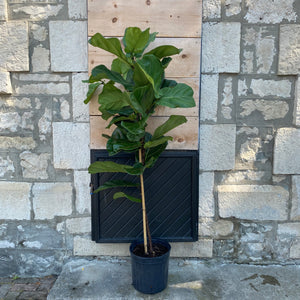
pixel 135 40
pixel 164 51
pixel 120 66
pixel 112 99
pixel 171 123
pixel 119 119
pixel 153 70
pixel 115 146
pixel 165 62
pixel 111 45
pixel 152 154
pixel 136 169
pixel 102 72
pixel 123 195
pixel 92 89
pixel 158 141
pixel 115 184
pixel 142 99
pixel 107 166
pixel 168 83
pixel 180 95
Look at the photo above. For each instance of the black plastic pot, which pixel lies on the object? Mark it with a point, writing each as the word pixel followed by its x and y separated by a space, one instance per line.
pixel 150 274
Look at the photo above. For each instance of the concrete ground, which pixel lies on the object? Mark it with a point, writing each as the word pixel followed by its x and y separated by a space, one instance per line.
pixel 188 279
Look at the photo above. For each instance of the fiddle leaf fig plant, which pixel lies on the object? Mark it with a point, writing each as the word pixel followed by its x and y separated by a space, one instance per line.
pixel 132 89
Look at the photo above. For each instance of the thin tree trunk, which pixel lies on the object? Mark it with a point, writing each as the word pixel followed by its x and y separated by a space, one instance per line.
pixel 143 205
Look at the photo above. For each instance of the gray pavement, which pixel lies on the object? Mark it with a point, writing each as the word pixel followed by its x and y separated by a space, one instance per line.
pixel 188 279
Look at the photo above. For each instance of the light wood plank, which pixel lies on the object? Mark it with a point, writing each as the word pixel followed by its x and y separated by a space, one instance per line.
pixel 171 18
pixel 186 64
pixel 185 136
pixel 162 110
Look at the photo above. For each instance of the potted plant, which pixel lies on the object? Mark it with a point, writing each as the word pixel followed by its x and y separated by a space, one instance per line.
pixel 131 92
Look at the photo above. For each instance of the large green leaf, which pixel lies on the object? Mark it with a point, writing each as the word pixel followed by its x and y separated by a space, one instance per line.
pixel 111 45
pixel 142 99
pixel 152 154
pixel 119 66
pixel 115 184
pixel 117 119
pixel 158 141
pixel 153 70
pixel 164 51
pixel 123 195
pixel 135 40
pixel 102 72
pixel 114 146
pixel 171 123
pixel 136 169
pixel 92 89
pixel 112 99
pixel 107 166
pixel 180 95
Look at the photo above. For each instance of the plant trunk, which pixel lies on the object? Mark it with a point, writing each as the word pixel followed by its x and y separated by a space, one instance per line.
pixel 146 230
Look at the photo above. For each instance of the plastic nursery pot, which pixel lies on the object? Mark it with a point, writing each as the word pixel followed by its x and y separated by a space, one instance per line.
pixel 150 274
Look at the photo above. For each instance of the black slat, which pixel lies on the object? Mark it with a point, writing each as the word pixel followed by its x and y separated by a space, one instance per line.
pixel 171 189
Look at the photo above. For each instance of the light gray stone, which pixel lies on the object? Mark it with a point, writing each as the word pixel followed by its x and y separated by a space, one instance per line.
pixel 253 202
pixel 232 7
pixel 202 248
pixel 209 97
pixel 295 211
pixel 221 47
pixel 227 99
pixel 286 151
pixel 41 77
pixel 3 10
pixel 79 91
pixel 289 49
pixel 85 247
pixel 71 145
pixel 68 50
pixel 211 9
pixel 289 229
pixel 43 89
pixel 270 110
pixel 5 84
pixel 17 142
pixel 215 229
pixel 79 225
pixel 262 41
pixel 270 11
pixel 296 116
pixel 82 181
pixel 52 199
pixel 14 46
pixel 34 166
pixel 206 195
pixel 275 88
pixel 44 124
pixel 217 147
pixel 15 200
pixel 77 9
pixel 295 249
pixel 6 166
pixel 40 33
pixel 10 121
pixel 12 102
pixel 41 12
pixel 40 59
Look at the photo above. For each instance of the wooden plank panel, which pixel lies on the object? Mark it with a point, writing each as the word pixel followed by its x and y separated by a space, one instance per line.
pixel 186 64
pixel 185 136
pixel 162 110
pixel 171 18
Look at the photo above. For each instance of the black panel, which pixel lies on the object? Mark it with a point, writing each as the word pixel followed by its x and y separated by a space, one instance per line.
pixel 171 189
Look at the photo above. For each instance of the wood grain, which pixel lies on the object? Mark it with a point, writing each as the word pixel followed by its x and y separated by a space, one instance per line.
pixel 185 136
pixel 171 18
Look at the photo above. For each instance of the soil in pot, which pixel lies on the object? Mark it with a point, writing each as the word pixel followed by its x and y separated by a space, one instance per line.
pixel 158 250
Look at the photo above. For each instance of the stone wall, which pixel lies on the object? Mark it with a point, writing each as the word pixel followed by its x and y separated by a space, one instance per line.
pixel 44 134
pixel 249 202
pixel 249 132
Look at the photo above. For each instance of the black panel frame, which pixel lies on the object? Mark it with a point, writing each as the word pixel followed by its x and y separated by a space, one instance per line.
pixel 99 234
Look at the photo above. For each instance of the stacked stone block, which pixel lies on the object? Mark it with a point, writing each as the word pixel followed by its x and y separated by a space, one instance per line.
pixel 249 132
pixel 44 134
